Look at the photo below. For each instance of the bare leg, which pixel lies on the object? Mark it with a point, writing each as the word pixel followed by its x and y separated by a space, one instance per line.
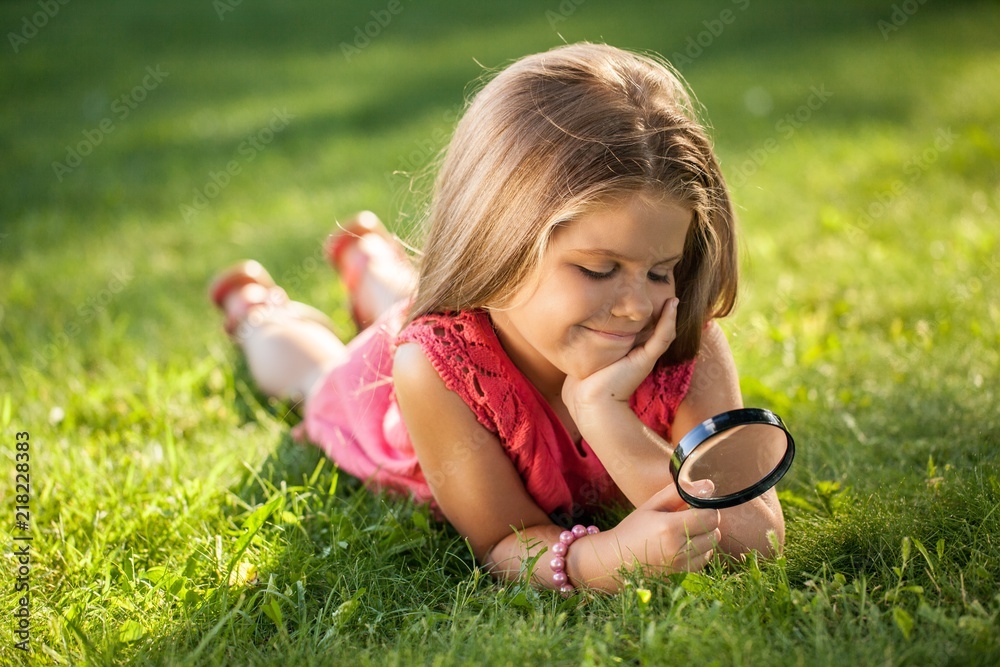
pixel 287 354
pixel 374 266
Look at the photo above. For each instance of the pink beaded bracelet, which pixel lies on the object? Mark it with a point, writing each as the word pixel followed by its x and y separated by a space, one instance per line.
pixel 560 549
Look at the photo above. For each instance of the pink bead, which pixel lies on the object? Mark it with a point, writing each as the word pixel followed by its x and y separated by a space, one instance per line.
pixel 559 551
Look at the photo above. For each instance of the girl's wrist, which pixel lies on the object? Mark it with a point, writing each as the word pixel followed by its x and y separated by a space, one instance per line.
pixel 560 556
pixel 584 396
pixel 594 563
pixel 597 419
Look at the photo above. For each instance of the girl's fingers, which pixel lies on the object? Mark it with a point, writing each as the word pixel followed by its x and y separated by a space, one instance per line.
pixel 701 531
pixel 644 356
pixel 665 500
pixel 619 379
pixel 666 328
pixel 664 332
pixel 702 521
pixel 703 543
pixel 669 500
pixel 693 563
pixel 695 553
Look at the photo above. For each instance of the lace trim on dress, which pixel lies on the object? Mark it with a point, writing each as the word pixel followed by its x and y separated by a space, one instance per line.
pixel 558 474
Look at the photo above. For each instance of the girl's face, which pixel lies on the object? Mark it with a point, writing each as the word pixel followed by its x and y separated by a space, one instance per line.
pixel 602 284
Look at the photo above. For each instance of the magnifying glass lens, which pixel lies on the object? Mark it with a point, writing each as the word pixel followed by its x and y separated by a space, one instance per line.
pixel 743 452
pixel 735 459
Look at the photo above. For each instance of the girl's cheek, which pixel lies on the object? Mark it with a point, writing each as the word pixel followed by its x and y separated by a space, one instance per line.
pixel 591 294
pixel 664 295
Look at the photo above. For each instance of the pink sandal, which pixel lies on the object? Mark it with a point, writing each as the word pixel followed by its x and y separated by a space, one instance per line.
pixel 353 267
pixel 250 272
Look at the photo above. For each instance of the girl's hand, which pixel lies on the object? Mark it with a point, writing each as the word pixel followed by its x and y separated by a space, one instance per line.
pixel 617 381
pixel 665 534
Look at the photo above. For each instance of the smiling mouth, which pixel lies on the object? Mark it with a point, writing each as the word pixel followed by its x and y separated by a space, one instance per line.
pixel 619 336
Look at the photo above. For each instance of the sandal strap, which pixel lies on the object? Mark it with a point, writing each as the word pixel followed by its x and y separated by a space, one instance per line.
pixel 244 273
pixel 250 272
pixel 363 223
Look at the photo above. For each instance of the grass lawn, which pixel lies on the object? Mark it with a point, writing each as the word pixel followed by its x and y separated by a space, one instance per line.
pixel 173 520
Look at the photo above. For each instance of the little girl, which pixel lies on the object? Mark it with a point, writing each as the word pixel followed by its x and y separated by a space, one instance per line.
pixel 557 340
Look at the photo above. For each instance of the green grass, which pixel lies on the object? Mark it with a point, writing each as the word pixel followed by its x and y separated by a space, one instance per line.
pixel 869 319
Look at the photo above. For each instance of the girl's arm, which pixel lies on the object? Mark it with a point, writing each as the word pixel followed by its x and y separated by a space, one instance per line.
pixel 662 535
pixel 480 492
pixel 638 459
pixel 715 388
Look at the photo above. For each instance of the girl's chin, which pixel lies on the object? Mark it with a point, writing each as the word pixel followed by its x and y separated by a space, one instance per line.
pixel 584 357
pixel 585 367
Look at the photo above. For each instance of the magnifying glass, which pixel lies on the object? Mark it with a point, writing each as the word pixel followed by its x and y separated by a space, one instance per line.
pixel 744 452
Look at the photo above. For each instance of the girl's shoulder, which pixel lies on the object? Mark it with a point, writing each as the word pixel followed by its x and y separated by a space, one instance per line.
pixel 463 349
pixel 455 343
pixel 465 324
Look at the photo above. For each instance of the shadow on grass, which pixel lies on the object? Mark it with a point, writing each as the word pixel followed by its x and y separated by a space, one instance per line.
pixel 280 40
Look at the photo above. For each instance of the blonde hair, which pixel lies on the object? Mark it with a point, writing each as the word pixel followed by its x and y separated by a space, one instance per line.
pixel 552 136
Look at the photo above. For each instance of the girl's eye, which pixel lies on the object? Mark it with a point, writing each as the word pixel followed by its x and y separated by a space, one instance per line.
pixel 596 275
pixel 603 275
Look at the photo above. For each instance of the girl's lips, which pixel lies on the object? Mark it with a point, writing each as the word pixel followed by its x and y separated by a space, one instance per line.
pixel 617 336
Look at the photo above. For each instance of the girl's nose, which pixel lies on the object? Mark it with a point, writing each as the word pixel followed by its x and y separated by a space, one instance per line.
pixel 632 300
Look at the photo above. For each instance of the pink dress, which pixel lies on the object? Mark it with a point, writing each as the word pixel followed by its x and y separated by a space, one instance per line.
pixel 355 419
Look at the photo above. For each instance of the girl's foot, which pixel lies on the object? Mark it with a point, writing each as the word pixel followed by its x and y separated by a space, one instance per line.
pixel 374 266
pixel 289 346
pixel 246 293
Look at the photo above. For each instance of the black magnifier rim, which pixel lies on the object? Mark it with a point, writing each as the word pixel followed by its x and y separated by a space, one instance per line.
pixel 724 422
